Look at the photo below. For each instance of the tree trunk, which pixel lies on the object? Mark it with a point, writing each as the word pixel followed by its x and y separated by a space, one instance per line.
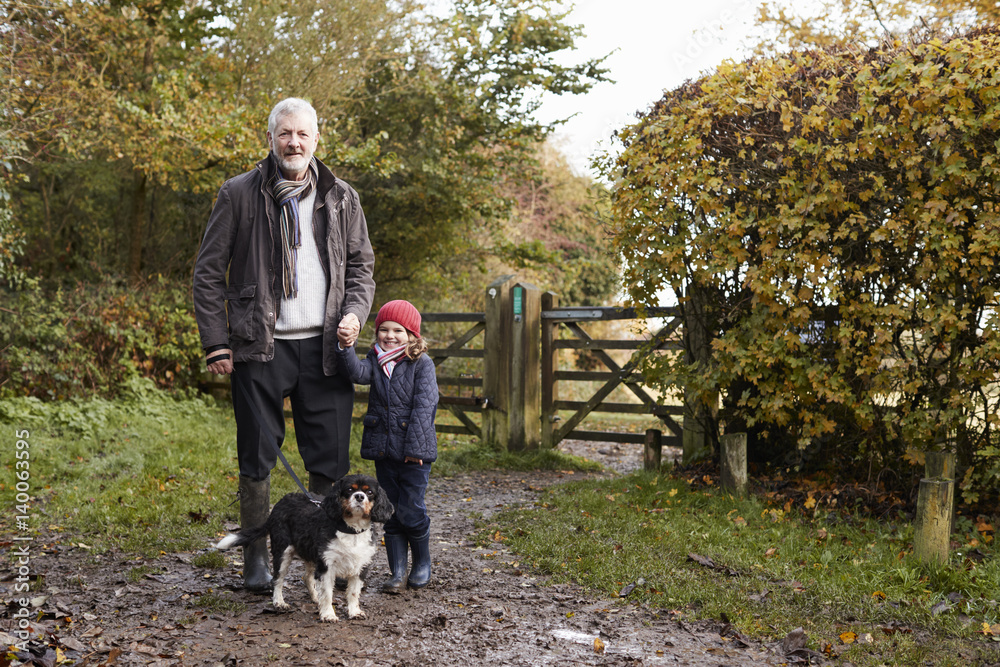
pixel 137 226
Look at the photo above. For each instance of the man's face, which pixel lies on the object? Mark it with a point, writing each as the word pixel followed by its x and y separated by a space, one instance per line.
pixel 293 143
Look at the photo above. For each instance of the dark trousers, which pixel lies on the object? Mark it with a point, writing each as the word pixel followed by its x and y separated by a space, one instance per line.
pixel 405 484
pixel 321 410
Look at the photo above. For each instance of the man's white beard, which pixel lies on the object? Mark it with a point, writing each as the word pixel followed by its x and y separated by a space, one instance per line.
pixel 293 164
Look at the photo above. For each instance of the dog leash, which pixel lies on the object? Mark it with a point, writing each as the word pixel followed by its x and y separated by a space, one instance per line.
pixel 270 435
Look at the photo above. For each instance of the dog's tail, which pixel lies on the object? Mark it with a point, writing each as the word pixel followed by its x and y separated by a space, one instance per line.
pixel 242 538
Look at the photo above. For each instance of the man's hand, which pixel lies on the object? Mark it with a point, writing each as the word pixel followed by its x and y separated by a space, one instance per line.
pixel 348 330
pixel 220 362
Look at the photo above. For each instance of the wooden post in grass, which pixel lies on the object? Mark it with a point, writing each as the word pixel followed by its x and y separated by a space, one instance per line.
pixel 733 458
pixel 652 450
pixel 941 465
pixel 935 507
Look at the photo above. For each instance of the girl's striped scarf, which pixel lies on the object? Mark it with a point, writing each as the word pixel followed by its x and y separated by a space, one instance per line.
pixel 288 193
pixel 387 358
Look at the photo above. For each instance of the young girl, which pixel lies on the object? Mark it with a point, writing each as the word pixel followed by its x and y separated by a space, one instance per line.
pixel 399 431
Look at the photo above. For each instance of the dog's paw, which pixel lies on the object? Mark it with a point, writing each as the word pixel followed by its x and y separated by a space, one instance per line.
pixel 357 613
pixel 283 606
pixel 328 616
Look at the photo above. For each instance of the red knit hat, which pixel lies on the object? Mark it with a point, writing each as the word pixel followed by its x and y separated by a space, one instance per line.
pixel 401 312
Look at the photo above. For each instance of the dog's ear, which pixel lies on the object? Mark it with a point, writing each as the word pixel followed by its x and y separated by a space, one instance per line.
pixel 382 510
pixel 333 504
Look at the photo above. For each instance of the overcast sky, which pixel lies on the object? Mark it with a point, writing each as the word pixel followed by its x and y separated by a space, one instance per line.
pixel 655 45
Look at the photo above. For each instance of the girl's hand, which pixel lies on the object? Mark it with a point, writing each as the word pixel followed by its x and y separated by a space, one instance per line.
pixel 346 336
pixel 410 459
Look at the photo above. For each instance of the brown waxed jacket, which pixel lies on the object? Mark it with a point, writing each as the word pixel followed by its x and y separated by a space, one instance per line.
pixel 242 240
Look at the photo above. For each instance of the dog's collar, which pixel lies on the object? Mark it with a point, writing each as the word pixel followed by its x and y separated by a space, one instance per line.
pixel 342 527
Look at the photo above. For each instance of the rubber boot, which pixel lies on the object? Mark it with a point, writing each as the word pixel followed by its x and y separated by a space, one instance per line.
pixel 255 505
pixel 395 551
pixel 420 571
pixel 320 485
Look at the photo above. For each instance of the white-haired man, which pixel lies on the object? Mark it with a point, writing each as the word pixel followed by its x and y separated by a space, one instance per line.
pixel 285 262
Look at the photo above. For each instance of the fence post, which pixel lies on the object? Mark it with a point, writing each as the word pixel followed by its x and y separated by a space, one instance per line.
pixel 652 450
pixel 935 508
pixel 550 301
pixel 733 458
pixel 941 465
pixel 938 467
pixel 525 417
pixel 496 362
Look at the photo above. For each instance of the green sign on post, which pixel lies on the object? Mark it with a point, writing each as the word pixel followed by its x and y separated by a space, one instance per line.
pixel 518 302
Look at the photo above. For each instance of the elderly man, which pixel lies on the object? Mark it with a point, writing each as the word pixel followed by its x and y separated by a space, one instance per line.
pixel 285 263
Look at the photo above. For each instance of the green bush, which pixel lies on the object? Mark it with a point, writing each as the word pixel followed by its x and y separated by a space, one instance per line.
pixel 830 220
pixel 96 339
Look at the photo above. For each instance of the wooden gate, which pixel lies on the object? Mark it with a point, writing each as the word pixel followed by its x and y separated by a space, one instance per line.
pixel 555 321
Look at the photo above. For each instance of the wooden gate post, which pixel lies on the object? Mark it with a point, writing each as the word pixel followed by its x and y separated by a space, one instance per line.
pixel 525 381
pixel 496 362
pixel 511 342
pixel 550 363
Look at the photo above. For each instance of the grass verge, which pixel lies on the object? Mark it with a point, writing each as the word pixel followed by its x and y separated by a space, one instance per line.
pixel 848 581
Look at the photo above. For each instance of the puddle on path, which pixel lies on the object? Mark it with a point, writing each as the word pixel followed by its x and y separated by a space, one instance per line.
pixel 610 647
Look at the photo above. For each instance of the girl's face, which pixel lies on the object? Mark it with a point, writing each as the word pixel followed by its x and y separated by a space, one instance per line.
pixel 391 335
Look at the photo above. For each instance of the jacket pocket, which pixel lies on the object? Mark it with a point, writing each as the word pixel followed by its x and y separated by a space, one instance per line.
pixel 371 421
pixel 241 301
pixel 403 423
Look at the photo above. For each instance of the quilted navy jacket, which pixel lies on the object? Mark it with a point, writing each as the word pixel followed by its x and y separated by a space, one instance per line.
pixel 400 419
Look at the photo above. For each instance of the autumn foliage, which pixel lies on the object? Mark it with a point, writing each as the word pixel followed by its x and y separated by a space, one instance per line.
pixel 836 211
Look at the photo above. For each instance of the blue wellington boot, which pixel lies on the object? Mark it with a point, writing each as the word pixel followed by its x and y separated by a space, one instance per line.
pixel 420 571
pixel 396 552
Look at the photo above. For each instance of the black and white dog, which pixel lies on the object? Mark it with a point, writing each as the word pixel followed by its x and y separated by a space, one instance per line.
pixel 332 537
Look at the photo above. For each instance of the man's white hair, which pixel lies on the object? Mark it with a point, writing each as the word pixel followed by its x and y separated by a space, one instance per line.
pixel 292 105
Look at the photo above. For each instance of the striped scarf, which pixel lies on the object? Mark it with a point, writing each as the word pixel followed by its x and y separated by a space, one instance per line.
pixel 387 358
pixel 288 193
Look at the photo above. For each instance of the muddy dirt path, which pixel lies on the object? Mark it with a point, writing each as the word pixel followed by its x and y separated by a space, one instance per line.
pixel 482 607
